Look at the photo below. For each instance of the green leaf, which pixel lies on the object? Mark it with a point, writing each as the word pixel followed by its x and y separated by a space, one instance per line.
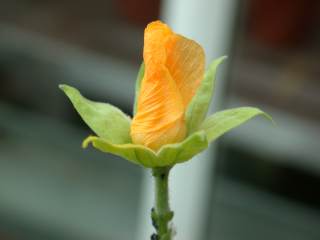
pixel 132 152
pixel 199 105
pixel 107 121
pixel 137 88
pixel 180 152
pixel 223 121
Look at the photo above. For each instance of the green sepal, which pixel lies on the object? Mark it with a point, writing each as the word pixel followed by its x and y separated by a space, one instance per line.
pixel 107 121
pixel 132 152
pixel 168 155
pixel 199 105
pixel 171 154
pixel 137 87
pixel 223 121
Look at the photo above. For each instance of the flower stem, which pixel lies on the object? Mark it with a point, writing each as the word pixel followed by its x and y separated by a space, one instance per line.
pixel 161 214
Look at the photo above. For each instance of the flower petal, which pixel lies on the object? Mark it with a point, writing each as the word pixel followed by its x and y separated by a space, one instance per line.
pixel 160 111
pixel 174 67
pixel 185 62
pixel 155 37
pixel 160 116
pixel 183 57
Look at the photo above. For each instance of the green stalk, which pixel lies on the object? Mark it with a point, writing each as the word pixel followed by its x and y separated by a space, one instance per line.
pixel 161 214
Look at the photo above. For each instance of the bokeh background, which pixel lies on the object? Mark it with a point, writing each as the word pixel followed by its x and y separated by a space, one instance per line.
pixel 264 180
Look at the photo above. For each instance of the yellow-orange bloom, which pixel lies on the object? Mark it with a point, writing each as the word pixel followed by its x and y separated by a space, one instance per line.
pixel 174 68
pixel 172 100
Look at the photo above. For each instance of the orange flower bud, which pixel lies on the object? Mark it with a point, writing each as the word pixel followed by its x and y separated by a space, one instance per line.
pixel 174 68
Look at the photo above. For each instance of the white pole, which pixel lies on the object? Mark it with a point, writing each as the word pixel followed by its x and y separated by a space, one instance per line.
pixel 209 22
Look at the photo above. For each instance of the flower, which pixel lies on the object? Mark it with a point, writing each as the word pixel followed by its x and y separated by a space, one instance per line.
pixel 170 123
pixel 174 68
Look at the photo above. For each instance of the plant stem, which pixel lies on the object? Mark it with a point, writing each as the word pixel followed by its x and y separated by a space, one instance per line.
pixel 161 214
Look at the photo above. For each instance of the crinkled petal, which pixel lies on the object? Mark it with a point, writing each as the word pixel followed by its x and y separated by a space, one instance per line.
pixel 160 116
pixel 185 62
pixel 155 37
pixel 174 68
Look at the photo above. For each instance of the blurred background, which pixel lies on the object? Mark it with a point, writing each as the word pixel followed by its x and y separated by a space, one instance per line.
pixel 264 182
